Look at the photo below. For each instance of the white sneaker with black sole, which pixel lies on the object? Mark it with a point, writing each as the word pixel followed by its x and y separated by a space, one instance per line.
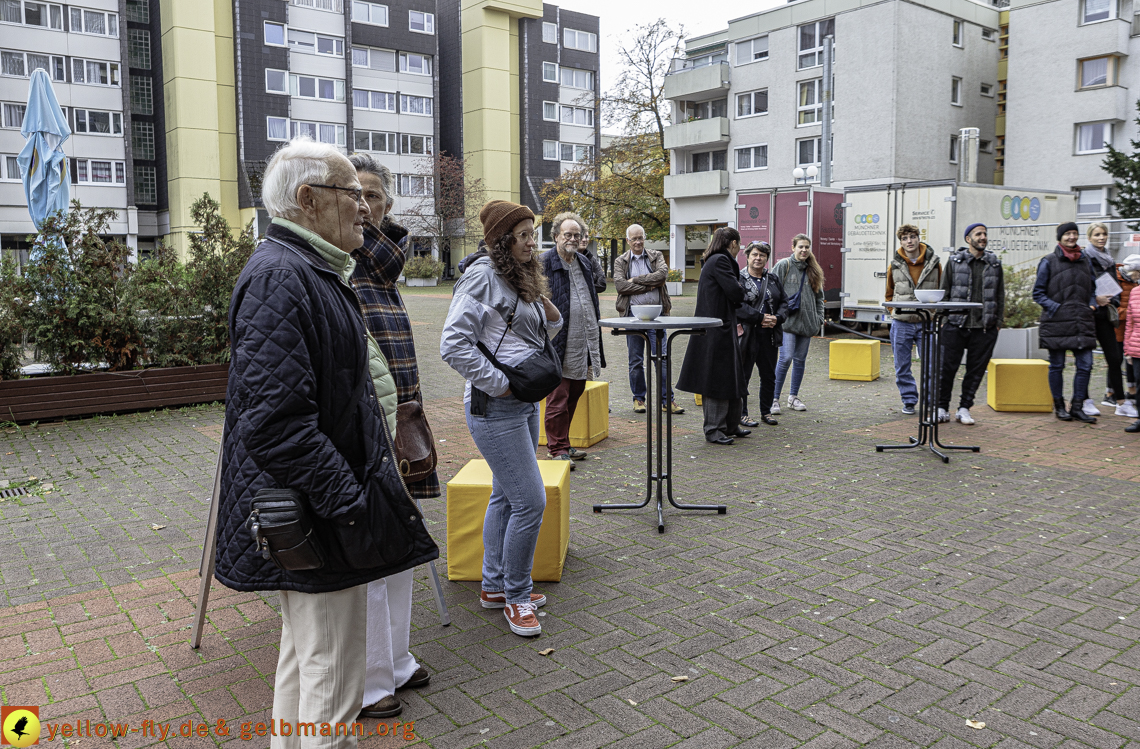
pixel 1089 408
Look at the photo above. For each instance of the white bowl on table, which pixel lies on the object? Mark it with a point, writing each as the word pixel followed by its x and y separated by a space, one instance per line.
pixel 646 312
pixel 930 296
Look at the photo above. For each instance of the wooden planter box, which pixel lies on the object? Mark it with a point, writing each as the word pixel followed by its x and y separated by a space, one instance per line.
pixel 42 398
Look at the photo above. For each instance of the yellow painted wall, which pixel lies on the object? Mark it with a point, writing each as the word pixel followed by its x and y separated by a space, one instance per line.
pixel 201 122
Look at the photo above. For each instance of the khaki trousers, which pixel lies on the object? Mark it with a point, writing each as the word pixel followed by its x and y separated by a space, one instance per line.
pixel 320 671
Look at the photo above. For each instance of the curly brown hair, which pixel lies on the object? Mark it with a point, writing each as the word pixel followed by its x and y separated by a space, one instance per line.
pixel 526 278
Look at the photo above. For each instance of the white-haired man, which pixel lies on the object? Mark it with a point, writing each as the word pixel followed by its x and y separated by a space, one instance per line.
pixel 310 408
pixel 639 277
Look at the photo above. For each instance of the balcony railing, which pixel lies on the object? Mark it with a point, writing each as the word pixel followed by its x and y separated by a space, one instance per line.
pixel 336 6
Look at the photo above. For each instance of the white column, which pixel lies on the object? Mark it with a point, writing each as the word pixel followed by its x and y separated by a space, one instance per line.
pixel 677 247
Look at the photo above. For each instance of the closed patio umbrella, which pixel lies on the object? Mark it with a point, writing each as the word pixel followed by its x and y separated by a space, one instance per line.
pixel 42 161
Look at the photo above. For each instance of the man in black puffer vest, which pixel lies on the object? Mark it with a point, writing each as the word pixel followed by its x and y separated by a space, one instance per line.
pixel 972 274
pixel 1066 291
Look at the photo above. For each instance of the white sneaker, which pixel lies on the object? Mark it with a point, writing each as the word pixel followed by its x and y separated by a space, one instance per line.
pixel 1127 408
pixel 795 403
pixel 1089 408
pixel 964 416
pixel 943 416
pixel 775 411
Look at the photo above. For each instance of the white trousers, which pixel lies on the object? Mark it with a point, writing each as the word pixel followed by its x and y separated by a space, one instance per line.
pixel 320 675
pixel 389 631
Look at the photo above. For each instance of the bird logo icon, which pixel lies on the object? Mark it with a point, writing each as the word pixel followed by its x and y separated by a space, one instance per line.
pixel 21 726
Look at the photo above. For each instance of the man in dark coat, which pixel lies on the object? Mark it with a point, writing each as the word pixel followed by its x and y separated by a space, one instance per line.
pixel 302 414
pixel 712 365
pixel 1066 291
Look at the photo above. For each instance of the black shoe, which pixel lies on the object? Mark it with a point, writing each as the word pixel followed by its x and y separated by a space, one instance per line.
pixel 421 678
pixel 1133 428
pixel 389 707
pixel 741 433
pixel 1060 411
pixel 746 421
pixel 769 420
pixel 720 441
pixel 1080 415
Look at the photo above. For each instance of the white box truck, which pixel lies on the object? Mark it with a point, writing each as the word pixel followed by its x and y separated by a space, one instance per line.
pixel 1021 225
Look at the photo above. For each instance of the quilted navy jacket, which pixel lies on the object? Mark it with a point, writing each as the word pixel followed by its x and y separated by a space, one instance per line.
pixel 299 356
pixel 559 279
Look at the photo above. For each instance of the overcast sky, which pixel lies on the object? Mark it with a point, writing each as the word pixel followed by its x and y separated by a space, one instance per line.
pixel 618 17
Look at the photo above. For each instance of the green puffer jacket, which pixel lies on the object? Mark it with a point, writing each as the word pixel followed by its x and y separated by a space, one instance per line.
pixel 344 264
pixel 807 319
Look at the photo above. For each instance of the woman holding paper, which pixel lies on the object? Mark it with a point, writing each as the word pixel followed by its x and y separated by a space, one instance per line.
pixel 1106 315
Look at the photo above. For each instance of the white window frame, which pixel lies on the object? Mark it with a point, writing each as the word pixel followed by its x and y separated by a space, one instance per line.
pixel 711 155
pixel 549 32
pixel 406 100
pixel 115 81
pixel 427 20
pixel 1113 12
pixel 987 89
pixel 48 6
pixel 572 38
pixel 958 39
pixel 110 20
pixel 338 131
pixel 284 34
pixel 589 116
pixel 425 59
pixel 406 180
pixel 550 67
pixel 283 121
pixel 989 35
pixel 295 87
pixel 746 51
pixel 574 72
pixel 284 82
pixel 550 150
pixel 817 50
pixel 1102 203
pixel 580 153
pixel 112 119
pixel 53 62
pixel 751 104
pixel 815 108
pixel 303 48
pixel 370 9
pixel 1106 139
pixel 405 144
pixel 391 139
pixel 12 106
pixel 1111 67
pixel 116 167
pixel 817 149
pixel 751 157
pixel 550 111
pixel 370 54
pixel 955 91
pixel 387 94
pixel 8 162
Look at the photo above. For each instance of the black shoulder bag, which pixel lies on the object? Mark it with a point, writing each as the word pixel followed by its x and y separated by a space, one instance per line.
pixel 794 299
pixel 536 376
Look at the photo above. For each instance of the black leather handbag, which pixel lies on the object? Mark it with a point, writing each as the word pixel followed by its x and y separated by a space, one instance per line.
pixel 283 531
pixel 536 376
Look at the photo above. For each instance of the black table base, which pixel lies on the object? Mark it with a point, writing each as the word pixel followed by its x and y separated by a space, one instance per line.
pixel 930 370
pixel 662 478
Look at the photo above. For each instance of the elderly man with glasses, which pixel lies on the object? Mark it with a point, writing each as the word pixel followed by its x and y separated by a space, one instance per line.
pixel 310 418
pixel 579 343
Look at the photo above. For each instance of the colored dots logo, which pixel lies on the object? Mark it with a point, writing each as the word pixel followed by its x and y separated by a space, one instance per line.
pixel 867 218
pixel 1020 209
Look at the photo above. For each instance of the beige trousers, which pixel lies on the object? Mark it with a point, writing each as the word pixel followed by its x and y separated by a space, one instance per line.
pixel 320 671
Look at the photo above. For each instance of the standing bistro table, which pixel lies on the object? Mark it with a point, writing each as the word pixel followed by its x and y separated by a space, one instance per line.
pixel 663 477
pixel 930 351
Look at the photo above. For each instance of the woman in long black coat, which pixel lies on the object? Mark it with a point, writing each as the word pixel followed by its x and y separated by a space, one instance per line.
pixel 712 365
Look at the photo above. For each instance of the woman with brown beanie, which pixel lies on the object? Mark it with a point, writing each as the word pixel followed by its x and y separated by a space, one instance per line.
pixel 500 301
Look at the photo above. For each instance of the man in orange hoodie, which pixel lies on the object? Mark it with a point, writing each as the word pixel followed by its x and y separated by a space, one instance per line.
pixel 913 266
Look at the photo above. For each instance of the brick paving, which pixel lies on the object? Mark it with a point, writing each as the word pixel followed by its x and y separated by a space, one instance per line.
pixel 848 598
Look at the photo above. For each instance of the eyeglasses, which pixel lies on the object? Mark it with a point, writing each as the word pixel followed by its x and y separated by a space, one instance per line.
pixel 523 237
pixel 571 236
pixel 356 192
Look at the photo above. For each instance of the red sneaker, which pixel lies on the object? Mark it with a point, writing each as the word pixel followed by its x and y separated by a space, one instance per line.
pixel 499 600
pixel 522 619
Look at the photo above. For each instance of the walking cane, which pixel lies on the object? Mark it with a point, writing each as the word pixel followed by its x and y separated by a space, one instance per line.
pixel 210 545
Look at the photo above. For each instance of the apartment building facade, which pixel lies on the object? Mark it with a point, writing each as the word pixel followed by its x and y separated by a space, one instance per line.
pixel 1069 100
pixel 747 102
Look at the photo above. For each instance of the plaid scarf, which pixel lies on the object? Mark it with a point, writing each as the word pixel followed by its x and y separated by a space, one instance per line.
pixel 378 265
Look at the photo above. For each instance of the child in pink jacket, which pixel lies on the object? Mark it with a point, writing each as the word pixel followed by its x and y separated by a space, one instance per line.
pixel 1131 269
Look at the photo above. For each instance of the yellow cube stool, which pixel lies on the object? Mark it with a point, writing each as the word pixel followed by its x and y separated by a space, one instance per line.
pixel 698 400
pixel 1019 385
pixel 467 497
pixel 591 422
pixel 853 360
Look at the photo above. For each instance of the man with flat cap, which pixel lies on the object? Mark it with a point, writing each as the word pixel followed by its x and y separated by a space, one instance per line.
pixel 973 274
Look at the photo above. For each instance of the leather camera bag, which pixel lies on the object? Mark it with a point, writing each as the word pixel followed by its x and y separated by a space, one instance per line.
pixel 283 531
pixel 415 444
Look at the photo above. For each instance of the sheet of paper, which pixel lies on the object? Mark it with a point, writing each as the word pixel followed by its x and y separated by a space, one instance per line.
pixel 1106 285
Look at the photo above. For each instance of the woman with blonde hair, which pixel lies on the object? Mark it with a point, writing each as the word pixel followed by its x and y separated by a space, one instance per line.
pixel 802 279
pixel 1106 318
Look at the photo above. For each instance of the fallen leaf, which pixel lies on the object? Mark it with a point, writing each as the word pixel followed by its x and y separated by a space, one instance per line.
pixel 48 487
pixel 680 678
pixel 976 724
pixel 548 651
pixel 976 468
pixel 632 702
pixel 156 527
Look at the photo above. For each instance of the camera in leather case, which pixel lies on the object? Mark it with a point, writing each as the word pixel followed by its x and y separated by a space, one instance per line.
pixel 283 531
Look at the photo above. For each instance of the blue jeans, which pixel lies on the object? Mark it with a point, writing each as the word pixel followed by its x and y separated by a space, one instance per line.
pixel 904 336
pixel 507 437
pixel 794 350
pixel 635 344
pixel 1084 359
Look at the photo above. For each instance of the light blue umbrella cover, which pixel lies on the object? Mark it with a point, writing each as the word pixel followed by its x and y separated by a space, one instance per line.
pixel 42 161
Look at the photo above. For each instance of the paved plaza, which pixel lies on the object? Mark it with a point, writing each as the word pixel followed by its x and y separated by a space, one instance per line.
pixel 848 598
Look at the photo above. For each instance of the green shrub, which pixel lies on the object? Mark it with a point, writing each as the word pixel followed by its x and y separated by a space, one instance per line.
pixel 423 267
pixel 674 276
pixel 11 324
pixel 1020 309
